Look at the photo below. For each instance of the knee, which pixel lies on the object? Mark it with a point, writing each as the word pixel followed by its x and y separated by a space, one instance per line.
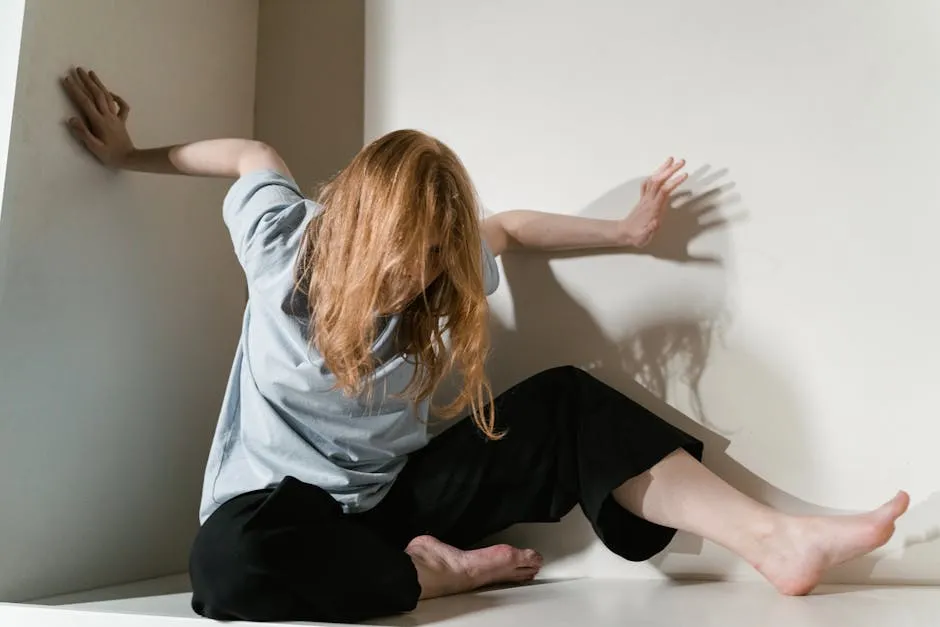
pixel 573 394
pixel 564 382
pixel 562 376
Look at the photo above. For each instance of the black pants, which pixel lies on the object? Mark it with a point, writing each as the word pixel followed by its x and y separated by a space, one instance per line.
pixel 289 553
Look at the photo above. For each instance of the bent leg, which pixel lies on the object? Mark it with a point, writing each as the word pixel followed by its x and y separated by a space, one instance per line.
pixel 573 440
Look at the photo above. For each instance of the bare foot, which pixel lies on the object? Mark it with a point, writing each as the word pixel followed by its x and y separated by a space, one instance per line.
pixel 800 550
pixel 444 570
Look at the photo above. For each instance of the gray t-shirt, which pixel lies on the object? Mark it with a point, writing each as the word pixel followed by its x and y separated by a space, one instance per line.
pixel 281 414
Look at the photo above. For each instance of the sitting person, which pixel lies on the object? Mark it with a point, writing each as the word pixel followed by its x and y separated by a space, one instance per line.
pixel 324 498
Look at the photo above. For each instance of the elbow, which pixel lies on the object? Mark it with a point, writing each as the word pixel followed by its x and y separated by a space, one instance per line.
pixel 258 155
pixel 496 235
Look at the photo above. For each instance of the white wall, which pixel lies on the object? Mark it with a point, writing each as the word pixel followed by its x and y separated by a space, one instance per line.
pixel 804 336
pixel 120 301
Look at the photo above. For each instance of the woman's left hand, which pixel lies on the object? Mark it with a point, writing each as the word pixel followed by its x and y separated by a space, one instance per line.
pixel 638 228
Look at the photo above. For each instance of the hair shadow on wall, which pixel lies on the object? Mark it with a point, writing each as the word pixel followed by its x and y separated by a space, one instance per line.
pixel 552 328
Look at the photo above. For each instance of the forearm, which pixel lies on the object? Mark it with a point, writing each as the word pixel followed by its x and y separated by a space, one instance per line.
pixel 536 230
pixel 212 158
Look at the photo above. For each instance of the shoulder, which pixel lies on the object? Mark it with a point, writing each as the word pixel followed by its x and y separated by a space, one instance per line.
pixel 266 214
pixel 259 192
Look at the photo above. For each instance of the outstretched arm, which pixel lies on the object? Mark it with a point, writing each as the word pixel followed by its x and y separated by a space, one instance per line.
pixel 536 230
pixel 101 127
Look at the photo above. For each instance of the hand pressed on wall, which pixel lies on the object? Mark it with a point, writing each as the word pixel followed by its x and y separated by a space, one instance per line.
pixel 656 196
pixel 102 125
pixel 686 222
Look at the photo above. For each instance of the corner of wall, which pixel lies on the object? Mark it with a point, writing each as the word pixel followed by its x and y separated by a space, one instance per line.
pixel 310 86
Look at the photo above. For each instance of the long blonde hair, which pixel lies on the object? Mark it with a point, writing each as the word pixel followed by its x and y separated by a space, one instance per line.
pixel 400 234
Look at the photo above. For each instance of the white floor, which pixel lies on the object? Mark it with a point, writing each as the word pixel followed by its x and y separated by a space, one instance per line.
pixel 582 603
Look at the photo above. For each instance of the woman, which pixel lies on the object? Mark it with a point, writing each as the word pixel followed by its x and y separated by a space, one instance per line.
pixel 323 497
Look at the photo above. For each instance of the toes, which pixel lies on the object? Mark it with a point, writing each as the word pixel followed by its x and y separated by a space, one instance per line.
pixel 899 504
pixel 512 556
pixel 892 510
pixel 530 558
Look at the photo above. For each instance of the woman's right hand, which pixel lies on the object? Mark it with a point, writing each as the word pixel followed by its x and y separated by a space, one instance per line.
pixel 101 126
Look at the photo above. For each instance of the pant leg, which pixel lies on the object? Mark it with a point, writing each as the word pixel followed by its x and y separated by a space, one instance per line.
pixel 569 439
pixel 291 554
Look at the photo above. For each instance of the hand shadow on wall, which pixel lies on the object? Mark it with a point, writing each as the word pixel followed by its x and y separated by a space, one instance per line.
pixel 692 215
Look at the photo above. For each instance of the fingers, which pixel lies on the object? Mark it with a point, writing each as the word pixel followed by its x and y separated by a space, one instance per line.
pixel 88 85
pixel 97 95
pixel 123 109
pixel 79 96
pixel 671 185
pixel 664 181
pixel 665 166
pixel 89 94
pixel 659 175
pixel 82 133
pixel 81 83
pixel 101 89
pixel 668 169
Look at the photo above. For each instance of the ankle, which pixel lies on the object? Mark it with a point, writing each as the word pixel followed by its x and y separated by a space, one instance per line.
pixel 436 578
pixel 762 535
pixel 428 580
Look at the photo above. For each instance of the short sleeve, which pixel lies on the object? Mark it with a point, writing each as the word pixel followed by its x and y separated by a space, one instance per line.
pixel 490 270
pixel 264 212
